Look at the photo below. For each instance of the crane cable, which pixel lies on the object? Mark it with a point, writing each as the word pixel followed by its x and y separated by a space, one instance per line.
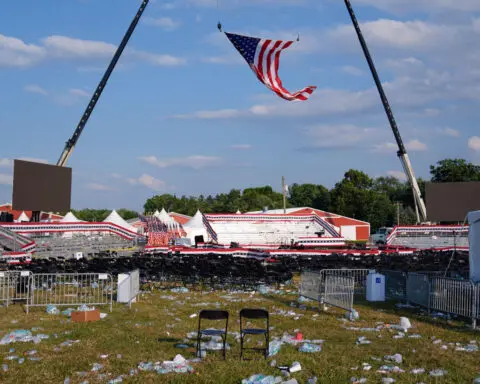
pixel 219 25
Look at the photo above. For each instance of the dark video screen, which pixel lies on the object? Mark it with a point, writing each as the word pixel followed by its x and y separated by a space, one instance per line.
pixel 41 187
pixel 451 202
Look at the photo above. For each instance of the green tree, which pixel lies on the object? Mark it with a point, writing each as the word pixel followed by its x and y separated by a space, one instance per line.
pixel 309 195
pixel 358 196
pixel 454 170
pixel 127 214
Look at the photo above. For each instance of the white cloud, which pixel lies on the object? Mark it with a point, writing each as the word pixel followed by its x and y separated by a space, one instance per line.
pixel 99 187
pixel 116 176
pixel 33 88
pixel 400 175
pixel 6 179
pixel 149 182
pixel 423 5
pixel 474 143
pixel 67 48
pixel 16 53
pixel 165 23
pixel 152 183
pixel 386 147
pixel 241 146
pixel 194 162
pixel 415 145
pixel 337 136
pixel 6 162
pixel 450 132
pixel 351 70
pixel 79 92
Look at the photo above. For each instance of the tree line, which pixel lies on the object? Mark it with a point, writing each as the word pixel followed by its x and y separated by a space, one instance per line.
pixel 381 201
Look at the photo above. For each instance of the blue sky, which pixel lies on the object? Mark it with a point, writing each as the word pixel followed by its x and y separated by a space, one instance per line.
pixel 183 114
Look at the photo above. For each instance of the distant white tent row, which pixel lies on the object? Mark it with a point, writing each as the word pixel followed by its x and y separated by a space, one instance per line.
pixel 195 227
pixel 165 218
pixel 23 217
pixel 115 218
pixel 70 218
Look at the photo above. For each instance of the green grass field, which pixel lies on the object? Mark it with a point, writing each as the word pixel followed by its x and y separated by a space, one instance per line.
pixel 161 319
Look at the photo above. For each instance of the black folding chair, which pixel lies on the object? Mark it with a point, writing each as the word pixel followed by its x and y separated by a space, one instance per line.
pixel 209 314
pixel 247 313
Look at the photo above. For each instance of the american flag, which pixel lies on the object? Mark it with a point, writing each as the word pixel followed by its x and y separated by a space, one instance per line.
pixel 263 57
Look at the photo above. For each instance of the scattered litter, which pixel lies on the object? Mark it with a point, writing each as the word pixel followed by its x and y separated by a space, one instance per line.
pixel 97 367
pixel 274 347
pixel 405 323
pixel 467 348
pixel 362 340
pixel 390 369
pixel 396 358
pixel 310 348
pixel 262 379
pixel 52 310
pixel 353 315
pixel 193 315
pixel 438 372
pixel 180 290
pixel 417 371
pixel 361 380
pixel 415 336
pixel 295 367
pixel 387 380
pixel 312 380
pixel 178 365
pixel 22 335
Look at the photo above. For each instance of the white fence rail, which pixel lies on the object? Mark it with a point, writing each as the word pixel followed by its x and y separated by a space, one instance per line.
pixel 310 284
pixel 339 291
pixel 14 286
pixel 359 276
pixel 313 285
pixel 128 287
pixel 70 289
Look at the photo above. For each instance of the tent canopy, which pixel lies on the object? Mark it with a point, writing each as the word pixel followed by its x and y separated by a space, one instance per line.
pixel 115 218
pixel 196 221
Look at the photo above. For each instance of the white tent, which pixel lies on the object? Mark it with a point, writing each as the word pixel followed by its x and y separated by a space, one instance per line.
pixel 115 218
pixel 23 217
pixel 474 241
pixel 70 218
pixel 165 218
pixel 195 227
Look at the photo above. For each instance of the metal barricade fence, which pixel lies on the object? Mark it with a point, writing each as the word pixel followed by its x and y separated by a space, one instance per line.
pixel 359 276
pixel 453 296
pixel 310 284
pixel 339 291
pixel 476 305
pixel 418 289
pixel 395 285
pixel 62 289
pixel 14 286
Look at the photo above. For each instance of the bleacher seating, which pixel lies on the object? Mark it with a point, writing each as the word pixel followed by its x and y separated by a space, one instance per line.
pixel 427 237
pixel 262 231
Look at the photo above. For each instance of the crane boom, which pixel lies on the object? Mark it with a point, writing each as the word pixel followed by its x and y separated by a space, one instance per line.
pixel 402 152
pixel 70 144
